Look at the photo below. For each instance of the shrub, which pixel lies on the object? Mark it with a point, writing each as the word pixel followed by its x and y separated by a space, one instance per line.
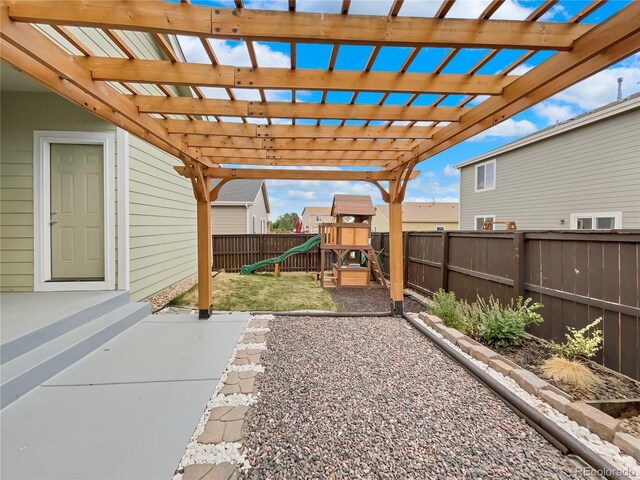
pixel 473 320
pixel 448 308
pixel 571 372
pixel 505 326
pixel 581 343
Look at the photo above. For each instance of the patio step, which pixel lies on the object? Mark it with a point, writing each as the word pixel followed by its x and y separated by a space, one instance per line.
pixel 69 321
pixel 27 371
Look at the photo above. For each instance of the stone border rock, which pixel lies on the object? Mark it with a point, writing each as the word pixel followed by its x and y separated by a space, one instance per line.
pixel 596 421
pixel 215 449
pixel 161 300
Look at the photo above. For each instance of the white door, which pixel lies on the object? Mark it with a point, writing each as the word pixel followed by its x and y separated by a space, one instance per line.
pixel 77 212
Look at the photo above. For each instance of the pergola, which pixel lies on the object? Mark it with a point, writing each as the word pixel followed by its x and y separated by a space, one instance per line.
pixel 195 129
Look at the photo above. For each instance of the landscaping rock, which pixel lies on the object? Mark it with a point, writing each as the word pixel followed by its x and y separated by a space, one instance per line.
pixel 220 471
pixel 528 381
pixel 559 392
pixel 259 323
pixel 247 357
pixel 254 337
pixel 224 425
pixel 628 444
pixel 452 334
pixel 499 365
pixel 559 402
pixel 429 319
pixel 595 420
pixel 481 353
pixel 465 345
pixel 239 382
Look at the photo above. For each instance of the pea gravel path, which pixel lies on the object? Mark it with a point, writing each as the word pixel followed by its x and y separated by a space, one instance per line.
pixel 373 398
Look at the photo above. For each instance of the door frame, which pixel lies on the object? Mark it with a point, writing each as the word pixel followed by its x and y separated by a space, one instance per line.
pixel 42 141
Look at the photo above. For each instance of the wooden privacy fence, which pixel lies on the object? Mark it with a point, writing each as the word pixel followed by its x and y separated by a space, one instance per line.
pixel 577 276
pixel 230 252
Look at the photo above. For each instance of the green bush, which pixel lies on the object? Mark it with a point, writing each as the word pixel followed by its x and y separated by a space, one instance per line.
pixel 449 309
pixel 473 320
pixel 580 343
pixel 505 326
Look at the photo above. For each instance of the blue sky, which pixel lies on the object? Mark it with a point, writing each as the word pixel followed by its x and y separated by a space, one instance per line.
pixel 438 179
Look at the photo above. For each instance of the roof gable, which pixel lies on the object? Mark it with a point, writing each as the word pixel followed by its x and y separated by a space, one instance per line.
pixel 239 191
pixel 352 205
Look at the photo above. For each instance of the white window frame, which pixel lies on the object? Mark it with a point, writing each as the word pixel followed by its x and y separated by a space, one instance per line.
pixel 495 176
pixel 476 217
pixel 594 215
pixel 42 141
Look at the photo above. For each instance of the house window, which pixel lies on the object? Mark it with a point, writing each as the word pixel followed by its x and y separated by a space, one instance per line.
pixel 484 218
pixel 440 228
pixel 318 218
pixel 486 176
pixel 596 221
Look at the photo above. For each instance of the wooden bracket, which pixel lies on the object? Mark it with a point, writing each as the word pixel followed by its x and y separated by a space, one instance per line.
pixel 383 192
pixel 213 194
pixel 198 182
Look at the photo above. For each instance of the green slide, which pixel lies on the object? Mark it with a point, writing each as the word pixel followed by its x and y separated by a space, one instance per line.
pixel 305 247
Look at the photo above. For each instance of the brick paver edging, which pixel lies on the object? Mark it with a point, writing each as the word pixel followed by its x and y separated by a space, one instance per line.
pixel 225 424
pixel 598 422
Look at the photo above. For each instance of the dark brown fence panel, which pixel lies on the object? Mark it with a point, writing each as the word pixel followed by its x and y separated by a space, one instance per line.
pixel 577 276
pixel 231 252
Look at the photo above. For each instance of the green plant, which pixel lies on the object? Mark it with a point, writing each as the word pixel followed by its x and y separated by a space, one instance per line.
pixel 473 320
pixel 505 326
pixel 581 343
pixel 571 372
pixel 448 308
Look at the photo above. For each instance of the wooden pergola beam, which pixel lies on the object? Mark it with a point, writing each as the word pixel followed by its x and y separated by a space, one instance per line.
pixel 224 76
pixel 300 162
pixel 75 83
pixel 218 141
pixel 240 108
pixel 311 154
pixel 607 43
pixel 284 174
pixel 203 127
pixel 299 27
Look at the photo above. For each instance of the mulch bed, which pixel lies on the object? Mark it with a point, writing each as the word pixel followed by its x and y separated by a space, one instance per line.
pixel 611 386
pixel 368 299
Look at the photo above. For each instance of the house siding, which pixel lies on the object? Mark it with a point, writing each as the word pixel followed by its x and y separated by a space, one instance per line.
pixel 229 219
pixel 594 168
pixel 22 113
pixel 259 210
pixel 162 221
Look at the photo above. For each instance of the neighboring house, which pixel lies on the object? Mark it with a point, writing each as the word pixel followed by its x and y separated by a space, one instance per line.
pixel 242 207
pixel 419 217
pixel 313 216
pixel 86 205
pixel 580 174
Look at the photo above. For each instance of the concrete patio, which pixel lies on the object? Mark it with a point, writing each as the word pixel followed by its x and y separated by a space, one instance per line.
pixel 127 409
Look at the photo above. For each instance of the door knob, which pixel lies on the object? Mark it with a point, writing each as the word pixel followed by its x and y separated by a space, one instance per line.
pixel 53 221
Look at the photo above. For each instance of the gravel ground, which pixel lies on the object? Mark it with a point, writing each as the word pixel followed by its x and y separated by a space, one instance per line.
pixel 373 398
pixel 162 298
pixel 368 299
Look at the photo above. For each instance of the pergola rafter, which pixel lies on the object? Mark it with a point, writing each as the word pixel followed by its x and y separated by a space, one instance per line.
pixel 386 138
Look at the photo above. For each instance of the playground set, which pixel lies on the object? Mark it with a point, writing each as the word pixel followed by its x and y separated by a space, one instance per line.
pixel 347 239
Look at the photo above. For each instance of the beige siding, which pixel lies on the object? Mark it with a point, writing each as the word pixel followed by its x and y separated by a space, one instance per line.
pixel 22 113
pixel 381 224
pixel 259 211
pixel 162 221
pixel 595 168
pixel 228 219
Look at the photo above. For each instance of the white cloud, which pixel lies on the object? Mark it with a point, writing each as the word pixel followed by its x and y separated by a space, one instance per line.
pixel 450 171
pixel 508 128
pixel 510 9
pixel 553 112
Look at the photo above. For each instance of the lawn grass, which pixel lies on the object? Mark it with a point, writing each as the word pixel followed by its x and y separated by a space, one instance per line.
pixel 260 291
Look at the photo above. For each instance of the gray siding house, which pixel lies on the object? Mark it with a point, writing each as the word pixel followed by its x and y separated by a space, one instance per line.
pixel 84 204
pixel 580 174
pixel 242 207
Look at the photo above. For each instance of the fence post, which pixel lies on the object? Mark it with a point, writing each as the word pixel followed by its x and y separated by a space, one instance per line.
pixel 444 279
pixel 519 264
pixel 405 260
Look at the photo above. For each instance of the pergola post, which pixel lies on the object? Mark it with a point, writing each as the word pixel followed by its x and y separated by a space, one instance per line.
pixel 396 269
pixel 204 251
